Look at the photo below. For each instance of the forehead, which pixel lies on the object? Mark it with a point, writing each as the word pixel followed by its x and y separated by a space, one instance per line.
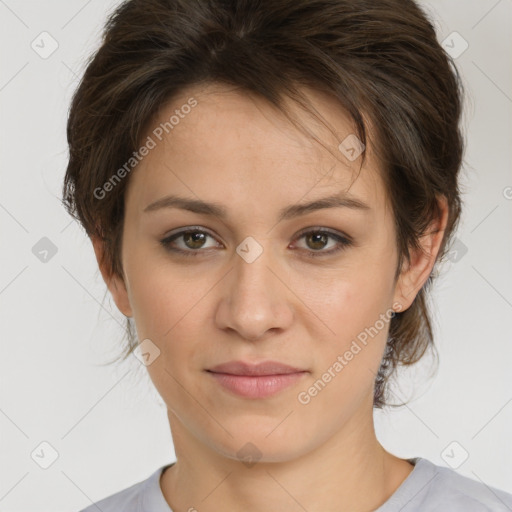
pixel 234 144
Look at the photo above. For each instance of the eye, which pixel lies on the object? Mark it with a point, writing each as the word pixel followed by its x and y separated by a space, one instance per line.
pixel 193 238
pixel 317 239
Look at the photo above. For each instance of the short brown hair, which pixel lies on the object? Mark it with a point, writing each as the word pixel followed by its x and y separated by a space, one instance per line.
pixel 374 57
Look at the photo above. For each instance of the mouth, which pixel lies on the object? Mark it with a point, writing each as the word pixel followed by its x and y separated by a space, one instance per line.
pixel 258 370
pixel 256 381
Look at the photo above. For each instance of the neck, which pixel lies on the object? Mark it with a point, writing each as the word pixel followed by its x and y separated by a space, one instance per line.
pixel 350 471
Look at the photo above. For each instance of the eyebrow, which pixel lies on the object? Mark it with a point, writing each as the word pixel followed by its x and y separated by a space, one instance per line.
pixel 289 212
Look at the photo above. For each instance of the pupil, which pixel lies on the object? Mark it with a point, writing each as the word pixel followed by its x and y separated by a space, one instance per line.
pixel 196 237
pixel 316 238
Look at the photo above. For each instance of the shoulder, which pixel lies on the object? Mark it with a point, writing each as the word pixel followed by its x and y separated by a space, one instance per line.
pixel 433 488
pixel 139 497
pixel 469 494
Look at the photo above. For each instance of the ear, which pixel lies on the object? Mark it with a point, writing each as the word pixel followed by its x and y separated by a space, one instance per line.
pixel 413 277
pixel 114 283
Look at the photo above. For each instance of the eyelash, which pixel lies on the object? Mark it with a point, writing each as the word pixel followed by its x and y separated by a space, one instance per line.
pixel 343 242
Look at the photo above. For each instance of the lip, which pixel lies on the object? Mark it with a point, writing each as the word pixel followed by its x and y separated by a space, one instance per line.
pixel 256 380
pixel 258 369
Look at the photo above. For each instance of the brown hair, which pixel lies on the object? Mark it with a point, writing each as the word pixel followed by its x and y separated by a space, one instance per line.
pixel 380 58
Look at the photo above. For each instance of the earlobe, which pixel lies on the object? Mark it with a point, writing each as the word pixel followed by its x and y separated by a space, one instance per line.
pixel 114 283
pixel 422 260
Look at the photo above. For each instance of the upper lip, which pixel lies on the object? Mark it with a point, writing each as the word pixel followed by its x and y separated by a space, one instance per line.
pixel 264 368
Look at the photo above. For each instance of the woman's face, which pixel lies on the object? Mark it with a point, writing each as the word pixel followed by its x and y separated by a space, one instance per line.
pixel 251 284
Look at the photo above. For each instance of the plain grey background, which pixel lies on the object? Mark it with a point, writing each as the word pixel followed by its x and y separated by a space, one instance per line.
pixel 106 426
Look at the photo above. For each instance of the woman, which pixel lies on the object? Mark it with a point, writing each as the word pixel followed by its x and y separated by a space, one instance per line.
pixel 267 186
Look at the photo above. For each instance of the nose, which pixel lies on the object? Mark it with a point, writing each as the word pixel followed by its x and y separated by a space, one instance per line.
pixel 254 298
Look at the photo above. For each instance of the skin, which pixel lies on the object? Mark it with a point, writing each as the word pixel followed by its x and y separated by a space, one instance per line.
pixel 235 149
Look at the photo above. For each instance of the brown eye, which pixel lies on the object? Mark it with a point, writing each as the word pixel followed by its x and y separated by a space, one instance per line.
pixel 317 240
pixel 192 241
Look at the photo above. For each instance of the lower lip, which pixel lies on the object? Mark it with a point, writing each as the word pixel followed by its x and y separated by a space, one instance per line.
pixel 256 386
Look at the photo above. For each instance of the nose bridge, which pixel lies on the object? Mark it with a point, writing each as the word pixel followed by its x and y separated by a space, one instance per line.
pixel 255 300
pixel 252 278
pixel 252 274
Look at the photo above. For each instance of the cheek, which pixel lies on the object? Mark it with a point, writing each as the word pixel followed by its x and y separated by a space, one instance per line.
pixel 356 310
pixel 166 311
pixel 169 309
pixel 355 299
pixel 161 296
pixel 356 306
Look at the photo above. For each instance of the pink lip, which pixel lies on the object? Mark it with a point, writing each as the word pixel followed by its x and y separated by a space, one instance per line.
pixel 256 381
pixel 264 368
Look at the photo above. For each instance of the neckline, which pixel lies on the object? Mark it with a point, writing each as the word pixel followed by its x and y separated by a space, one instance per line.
pixel 154 497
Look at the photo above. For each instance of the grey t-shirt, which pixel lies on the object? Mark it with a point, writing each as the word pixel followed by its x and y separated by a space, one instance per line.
pixel 428 488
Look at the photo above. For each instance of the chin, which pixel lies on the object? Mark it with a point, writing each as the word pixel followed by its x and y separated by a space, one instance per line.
pixel 255 445
pixel 249 453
